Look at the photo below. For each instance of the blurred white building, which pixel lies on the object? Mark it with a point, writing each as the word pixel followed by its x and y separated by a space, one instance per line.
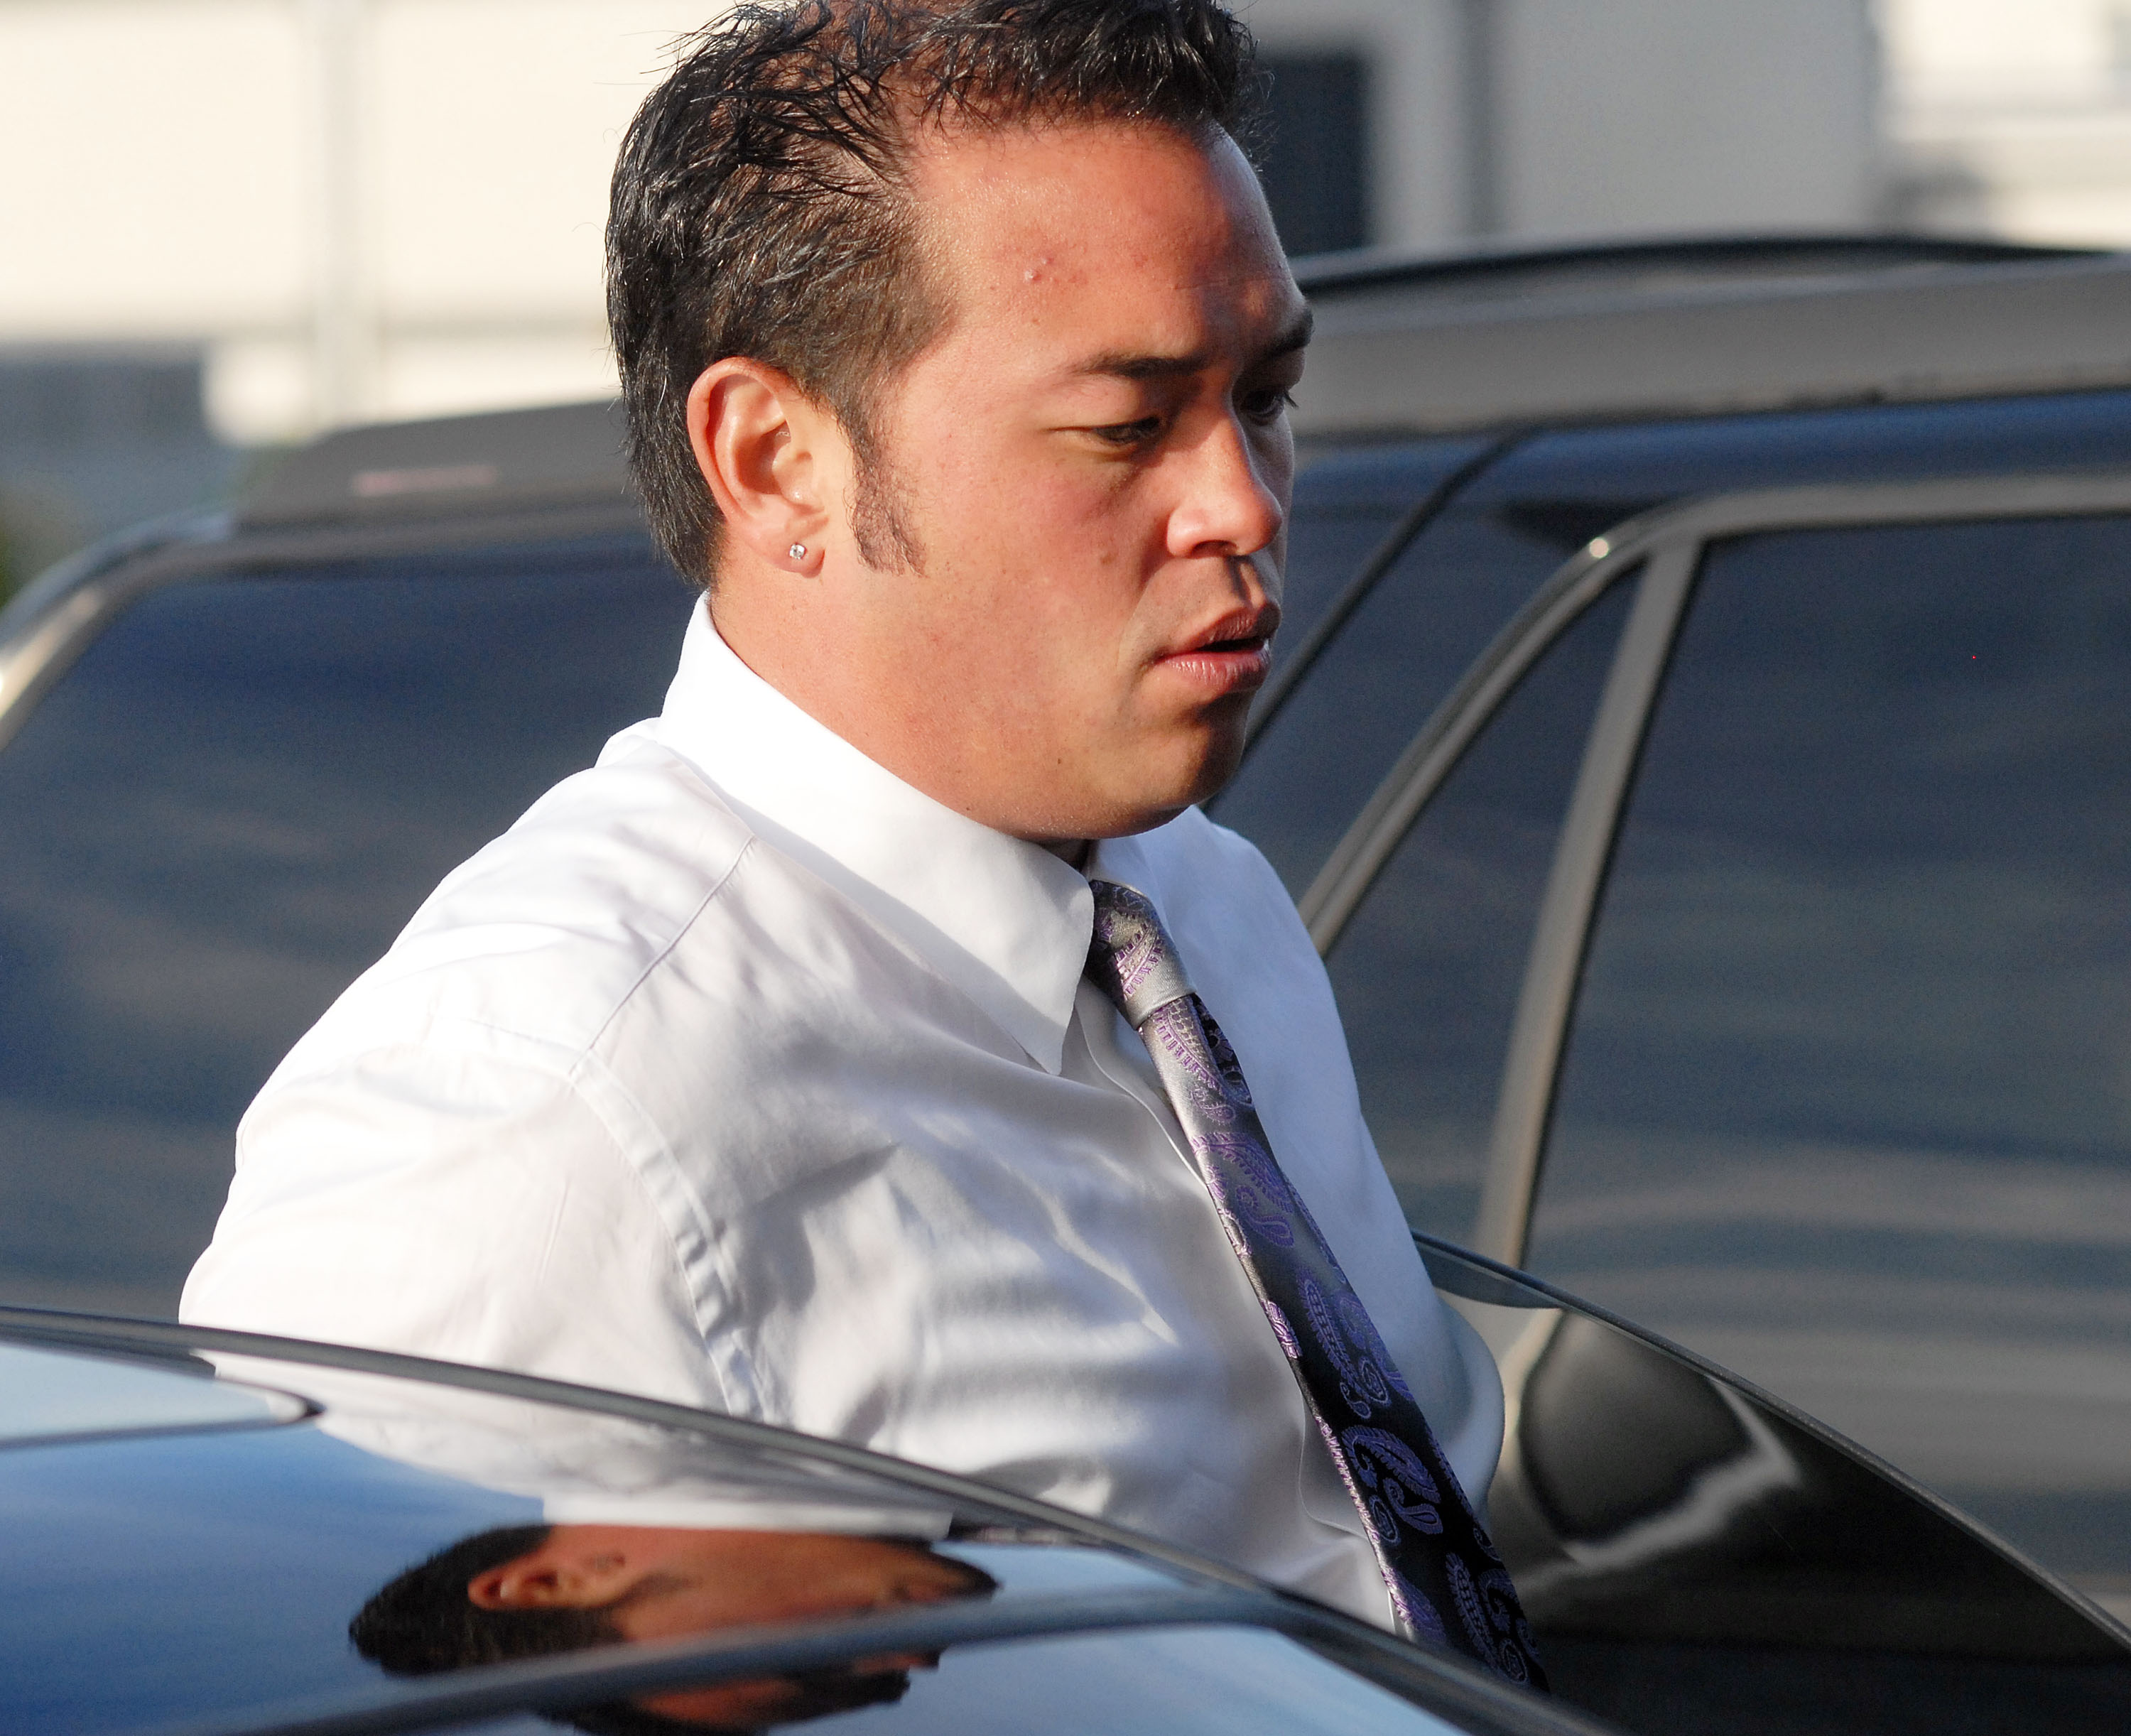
pixel 2010 119
pixel 357 208
pixel 1521 119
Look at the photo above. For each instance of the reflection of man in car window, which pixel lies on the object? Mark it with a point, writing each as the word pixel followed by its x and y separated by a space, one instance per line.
pixel 760 1066
pixel 529 1591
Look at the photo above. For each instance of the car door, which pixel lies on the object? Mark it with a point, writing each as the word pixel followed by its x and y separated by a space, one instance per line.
pixel 1696 1555
pixel 1746 946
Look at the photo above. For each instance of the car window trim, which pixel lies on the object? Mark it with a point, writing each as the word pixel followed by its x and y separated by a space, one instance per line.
pixel 1667 545
pixel 1376 831
pixel 1554 968
pixel 103 583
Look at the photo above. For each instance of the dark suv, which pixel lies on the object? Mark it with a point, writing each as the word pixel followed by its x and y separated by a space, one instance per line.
pixel 1700 744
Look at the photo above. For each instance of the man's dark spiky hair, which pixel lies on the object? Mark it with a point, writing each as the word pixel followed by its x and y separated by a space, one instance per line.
pixel 759 207
pixel 424 1622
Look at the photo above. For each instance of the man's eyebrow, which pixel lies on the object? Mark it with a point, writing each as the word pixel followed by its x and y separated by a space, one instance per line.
pixel 1129 365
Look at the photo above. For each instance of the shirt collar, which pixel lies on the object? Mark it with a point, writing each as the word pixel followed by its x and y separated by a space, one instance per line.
pixel 1005 921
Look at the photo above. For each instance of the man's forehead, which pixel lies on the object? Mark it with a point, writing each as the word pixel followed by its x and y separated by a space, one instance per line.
pixel 1122 229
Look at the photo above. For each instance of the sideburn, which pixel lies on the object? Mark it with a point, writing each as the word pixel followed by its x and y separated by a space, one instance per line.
pixel 880 525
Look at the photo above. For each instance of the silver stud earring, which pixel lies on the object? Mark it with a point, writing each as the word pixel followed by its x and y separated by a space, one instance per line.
pixel 797 551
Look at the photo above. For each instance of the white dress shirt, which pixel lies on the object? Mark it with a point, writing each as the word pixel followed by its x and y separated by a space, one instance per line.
pixel 742 1073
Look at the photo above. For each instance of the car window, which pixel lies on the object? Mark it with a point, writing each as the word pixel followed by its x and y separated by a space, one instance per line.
pixel 1847 1097
pixel 1541 501
pixel 1427 969
pixel 222 814
pixel 1347 501
pixel 1380 678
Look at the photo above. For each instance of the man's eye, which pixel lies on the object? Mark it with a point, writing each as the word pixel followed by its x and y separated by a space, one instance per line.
pixel 1267 405
pixel 1129 434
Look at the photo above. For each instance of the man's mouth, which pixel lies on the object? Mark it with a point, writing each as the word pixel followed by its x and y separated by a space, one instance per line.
pixel 1231 655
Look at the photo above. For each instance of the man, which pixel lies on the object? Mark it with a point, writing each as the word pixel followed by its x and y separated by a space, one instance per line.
pixel 535 1590
pixel 757 1067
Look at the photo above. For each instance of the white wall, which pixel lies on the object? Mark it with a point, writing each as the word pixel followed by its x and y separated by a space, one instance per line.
pixel 160 178
pixel 149 176
pixel 1608 117
pixel 1670 115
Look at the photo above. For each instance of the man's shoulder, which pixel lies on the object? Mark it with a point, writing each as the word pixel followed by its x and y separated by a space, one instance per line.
pixel 613 862
pixel 546 929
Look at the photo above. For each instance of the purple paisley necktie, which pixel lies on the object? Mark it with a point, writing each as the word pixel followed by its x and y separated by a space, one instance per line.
pixel 1446 1582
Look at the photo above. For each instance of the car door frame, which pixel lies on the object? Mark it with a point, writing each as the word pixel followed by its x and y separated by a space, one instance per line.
pixel 1661 551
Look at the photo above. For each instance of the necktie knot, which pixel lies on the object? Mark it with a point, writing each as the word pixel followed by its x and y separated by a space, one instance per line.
pixel 1131 957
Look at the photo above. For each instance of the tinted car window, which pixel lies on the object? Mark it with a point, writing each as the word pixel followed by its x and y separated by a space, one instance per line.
pixel 1387 669
pixel 1528 511
pixel 222 814
pixel 1427 969
pixel 1346 501
pixel 1847 1103
pixel 1545 498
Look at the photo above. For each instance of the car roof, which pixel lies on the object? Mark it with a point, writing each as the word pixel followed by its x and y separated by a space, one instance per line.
pixel 81 1378
pixel 1514 339
pixel 1504 270
pixel 555 454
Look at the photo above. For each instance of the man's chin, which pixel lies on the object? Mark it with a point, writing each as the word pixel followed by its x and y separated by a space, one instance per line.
pixel 1198 781
pixel 1198 765
pixel 748 1705
pixel 1126 795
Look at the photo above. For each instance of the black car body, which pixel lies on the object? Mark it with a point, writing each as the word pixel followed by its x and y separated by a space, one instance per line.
pixel 1698 743
pixel 214 1532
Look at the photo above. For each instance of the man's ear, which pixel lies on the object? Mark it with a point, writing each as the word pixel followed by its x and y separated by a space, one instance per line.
pixel 770 457
pixel 556 1575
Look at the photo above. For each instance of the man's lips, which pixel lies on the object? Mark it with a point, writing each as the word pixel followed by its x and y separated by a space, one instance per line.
pixel 1231 655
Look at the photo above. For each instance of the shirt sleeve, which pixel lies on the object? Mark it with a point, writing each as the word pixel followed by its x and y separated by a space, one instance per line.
pixel 448 1202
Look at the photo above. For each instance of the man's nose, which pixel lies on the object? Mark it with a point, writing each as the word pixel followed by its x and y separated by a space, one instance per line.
pixel 1229 507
